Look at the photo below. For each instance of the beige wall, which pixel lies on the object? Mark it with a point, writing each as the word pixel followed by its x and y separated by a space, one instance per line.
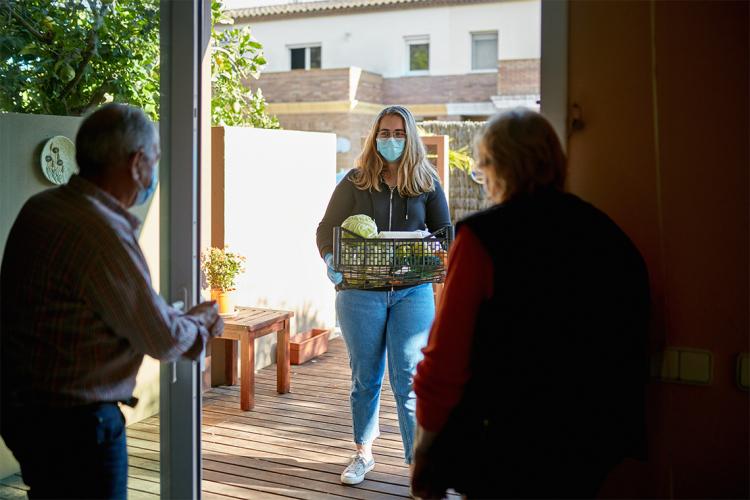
pixel 352 126
pixel 21 138
pixel 270 189
pixel 665 153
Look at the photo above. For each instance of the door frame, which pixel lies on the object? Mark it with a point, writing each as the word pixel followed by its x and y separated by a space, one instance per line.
pixel 553 78
pixel 184 28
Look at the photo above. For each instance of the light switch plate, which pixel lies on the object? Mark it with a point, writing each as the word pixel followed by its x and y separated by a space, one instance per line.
pixel 670 365
pixel 743 371
pixel 686 365
pixel 695 366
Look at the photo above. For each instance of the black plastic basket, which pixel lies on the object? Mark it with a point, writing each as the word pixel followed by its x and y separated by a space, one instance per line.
pixel 384 262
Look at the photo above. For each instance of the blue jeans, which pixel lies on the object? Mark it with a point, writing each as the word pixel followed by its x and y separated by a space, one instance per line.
pixel 374 323
pixel 70 453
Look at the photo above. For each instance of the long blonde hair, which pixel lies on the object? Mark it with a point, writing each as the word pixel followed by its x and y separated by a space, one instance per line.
pixel 415 174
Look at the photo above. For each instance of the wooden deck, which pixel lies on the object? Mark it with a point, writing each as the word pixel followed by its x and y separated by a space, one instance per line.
pixel 292 445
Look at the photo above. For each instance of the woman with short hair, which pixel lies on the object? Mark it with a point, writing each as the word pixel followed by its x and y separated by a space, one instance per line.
pixel 396 185
pixel 533 378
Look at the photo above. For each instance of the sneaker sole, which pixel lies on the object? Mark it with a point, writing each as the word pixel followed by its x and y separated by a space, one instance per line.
pixel 352 481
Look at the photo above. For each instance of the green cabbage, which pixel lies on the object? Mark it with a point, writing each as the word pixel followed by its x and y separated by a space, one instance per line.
pixel 361 225
pixel 353 251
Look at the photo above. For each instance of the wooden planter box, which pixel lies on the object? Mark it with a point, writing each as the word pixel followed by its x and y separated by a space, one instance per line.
pixel 307 345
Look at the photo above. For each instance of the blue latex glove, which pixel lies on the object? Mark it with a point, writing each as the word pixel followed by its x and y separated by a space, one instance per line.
pixel 335 277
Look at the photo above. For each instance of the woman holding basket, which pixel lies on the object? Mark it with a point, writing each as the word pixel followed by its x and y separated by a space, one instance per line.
pixel 395 184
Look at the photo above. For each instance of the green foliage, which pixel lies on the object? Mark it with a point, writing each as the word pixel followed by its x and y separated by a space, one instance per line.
pixel 64 57
pixel 221 268
pixel 461 159
pixel 419 57
pixel 236 57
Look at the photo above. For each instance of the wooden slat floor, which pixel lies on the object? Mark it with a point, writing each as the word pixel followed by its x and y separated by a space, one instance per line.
pixel 292 445
pixel 289 446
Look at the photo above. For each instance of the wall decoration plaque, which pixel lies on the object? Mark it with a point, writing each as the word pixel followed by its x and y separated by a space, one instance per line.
pixel 58 160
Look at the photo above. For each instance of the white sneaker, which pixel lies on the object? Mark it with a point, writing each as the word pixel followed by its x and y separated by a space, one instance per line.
pixel 356 470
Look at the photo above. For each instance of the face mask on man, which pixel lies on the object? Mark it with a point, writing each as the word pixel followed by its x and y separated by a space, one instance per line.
pixel 145 192
pixel 391 149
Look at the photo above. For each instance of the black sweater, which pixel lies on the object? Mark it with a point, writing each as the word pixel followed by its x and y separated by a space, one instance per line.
pixel 558 361
pixel 391 211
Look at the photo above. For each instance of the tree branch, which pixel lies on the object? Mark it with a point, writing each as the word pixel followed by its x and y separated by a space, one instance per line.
pixel 93 39
pixel 35 32
pixel 97 97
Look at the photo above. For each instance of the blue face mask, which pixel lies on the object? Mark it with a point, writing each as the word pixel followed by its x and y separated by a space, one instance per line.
pixel 391 149
pixel 145 192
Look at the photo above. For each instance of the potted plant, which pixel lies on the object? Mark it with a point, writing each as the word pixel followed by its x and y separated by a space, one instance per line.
pixel 220 270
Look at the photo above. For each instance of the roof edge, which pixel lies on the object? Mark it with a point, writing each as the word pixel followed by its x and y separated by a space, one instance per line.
pixel 337 7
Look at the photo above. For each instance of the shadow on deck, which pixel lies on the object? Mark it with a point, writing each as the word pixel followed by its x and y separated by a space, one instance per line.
pixel 292 445
pixel 289 446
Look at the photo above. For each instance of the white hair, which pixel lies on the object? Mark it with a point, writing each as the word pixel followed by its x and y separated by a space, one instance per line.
pixel 110 135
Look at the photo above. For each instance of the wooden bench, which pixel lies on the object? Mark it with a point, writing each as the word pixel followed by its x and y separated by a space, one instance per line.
pixel 250 324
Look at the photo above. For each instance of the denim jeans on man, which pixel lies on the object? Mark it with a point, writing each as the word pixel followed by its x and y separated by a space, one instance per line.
pixel 374 323
pixel 70 453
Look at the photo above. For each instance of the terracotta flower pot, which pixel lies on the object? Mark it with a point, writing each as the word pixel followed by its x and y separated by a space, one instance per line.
pixel 224 300
pixel 307 345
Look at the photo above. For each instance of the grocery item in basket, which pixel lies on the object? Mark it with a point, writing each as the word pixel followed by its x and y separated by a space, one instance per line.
pixel 361 225
pixel 353 252
pixel 399 235
pixel 395 258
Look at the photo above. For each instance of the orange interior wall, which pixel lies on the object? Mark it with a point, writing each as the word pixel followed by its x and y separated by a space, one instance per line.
pixel 665 153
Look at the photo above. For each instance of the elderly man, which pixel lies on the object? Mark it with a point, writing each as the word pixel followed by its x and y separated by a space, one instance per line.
pixel 78 313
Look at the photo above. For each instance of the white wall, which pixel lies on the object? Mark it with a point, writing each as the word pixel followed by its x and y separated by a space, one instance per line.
pixel 277 185
pixel 375 42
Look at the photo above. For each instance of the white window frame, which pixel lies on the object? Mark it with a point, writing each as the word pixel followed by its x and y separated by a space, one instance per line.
pixel 185 31
pixel 307 47
pixel 553 77
pixel 472 34
pixel 417 40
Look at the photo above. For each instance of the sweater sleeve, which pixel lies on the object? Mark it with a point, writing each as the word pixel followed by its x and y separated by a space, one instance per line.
pixel 437 215
pixel 445 369
pixel 340 207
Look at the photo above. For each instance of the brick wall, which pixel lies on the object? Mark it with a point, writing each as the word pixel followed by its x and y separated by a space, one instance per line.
pixel 357 127
pixel 520 76
pixel 304 85
pixel 475 87
pixel 370 88
pixel 513 77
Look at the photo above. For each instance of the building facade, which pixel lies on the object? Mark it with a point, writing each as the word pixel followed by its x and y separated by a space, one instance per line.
pixel 334 64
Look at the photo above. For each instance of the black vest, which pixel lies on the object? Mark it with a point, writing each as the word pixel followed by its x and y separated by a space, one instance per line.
pixel 559 352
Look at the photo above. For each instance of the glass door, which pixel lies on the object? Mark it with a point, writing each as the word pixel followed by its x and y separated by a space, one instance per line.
pixel 185 25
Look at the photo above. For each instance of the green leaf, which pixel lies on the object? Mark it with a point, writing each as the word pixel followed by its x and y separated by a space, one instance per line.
pixel 29 49
pixel 235 57
pixel 125 59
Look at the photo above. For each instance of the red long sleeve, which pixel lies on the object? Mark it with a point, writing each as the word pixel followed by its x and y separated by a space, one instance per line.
pixel 442 374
